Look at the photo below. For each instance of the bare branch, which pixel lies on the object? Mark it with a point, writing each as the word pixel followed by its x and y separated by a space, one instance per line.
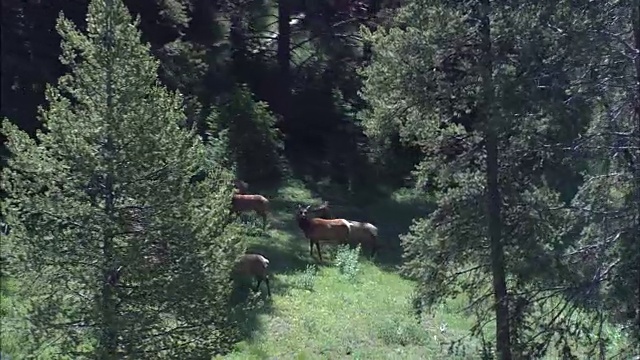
pixel 619 39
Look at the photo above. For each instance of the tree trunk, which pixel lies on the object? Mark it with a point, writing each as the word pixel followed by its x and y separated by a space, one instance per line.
pixel 636 34
pixel 503 337
pixel 284 59
pixel 109 340
pixel 238 45
pixel 374 7
pixel 108 346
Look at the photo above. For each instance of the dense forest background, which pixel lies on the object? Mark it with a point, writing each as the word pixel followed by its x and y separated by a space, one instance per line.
pixel 517 124
pixel 219 54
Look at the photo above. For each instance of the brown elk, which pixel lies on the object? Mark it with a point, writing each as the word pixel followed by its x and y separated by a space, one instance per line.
pixel 363 233
pixel 253 265
pixel 334 231
pixel 247 203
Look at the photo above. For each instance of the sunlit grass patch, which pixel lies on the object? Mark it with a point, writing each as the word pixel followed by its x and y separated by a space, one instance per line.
pixel 369 318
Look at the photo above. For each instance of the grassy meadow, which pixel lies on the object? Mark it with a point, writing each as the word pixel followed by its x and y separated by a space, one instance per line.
pixel 332 311
pixel 342 308
pixel 345 308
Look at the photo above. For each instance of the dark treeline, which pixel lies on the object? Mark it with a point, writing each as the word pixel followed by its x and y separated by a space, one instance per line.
pixel 209 49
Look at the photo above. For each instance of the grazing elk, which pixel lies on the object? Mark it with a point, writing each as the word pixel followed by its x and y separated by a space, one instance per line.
pixel 246 203
pixel 253 265
pixel 334 231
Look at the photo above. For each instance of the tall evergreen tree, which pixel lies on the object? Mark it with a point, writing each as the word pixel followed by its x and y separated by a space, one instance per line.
pixel 484 89
pixel 126 255
pixel 607 204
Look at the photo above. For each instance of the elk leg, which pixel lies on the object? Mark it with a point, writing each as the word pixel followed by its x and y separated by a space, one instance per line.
pixel 258 284
pixel 310 248
pixel 374 246
pixel 319 253
pixel 266 280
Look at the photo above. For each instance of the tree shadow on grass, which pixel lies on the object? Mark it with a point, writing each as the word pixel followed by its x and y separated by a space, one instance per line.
pixel 282 259
pixel 250 305
pixel 393 219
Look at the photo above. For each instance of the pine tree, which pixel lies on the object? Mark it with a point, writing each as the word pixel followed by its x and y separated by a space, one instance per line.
pixel 117 253
pixel 485 90
pixel 607 205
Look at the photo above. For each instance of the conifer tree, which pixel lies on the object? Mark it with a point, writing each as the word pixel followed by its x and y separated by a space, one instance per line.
pixel 486 89
pixel 117 253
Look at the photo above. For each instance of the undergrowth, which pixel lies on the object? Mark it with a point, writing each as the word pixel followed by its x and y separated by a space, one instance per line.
pixel 347 261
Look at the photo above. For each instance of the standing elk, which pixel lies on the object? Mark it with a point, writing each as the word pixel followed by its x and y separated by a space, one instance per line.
pixel 254 265
pixel 334 231
pixel 363 233
pixel 245 203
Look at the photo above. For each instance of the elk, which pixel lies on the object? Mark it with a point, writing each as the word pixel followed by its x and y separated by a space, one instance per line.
pixel 253 265
pixel 246 203
pixel 334 231
pixel 365 234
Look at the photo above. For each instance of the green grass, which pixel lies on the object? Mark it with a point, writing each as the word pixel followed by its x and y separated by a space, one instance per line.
pixel 328 311
pixel 348 307
pixel 368 317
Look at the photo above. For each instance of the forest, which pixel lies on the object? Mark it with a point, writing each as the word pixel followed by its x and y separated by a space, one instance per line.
pixel 325 179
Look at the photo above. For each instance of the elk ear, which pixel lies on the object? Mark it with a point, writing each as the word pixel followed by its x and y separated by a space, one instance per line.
pixel 307 208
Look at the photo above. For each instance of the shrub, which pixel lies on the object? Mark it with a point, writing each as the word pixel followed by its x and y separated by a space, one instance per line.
pixel 308 277
pixel 347 261
pixel 404 333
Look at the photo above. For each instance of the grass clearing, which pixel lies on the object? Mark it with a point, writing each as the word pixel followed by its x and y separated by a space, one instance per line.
pixel 349 307
pixel 366 316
